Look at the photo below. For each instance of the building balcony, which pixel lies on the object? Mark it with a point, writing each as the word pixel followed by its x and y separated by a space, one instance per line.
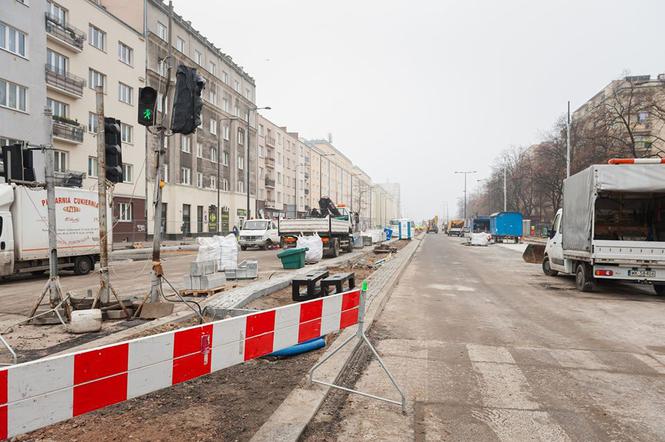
pixel 270 183
pixel 64 82
pixel 270 162
pixel 67 130
pixel 270 141
pixel 64 33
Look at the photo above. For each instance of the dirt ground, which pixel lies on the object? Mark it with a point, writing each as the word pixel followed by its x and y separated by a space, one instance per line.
pixel 228 405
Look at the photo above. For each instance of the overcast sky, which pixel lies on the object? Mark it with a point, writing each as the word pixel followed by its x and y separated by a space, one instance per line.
pixel 414 90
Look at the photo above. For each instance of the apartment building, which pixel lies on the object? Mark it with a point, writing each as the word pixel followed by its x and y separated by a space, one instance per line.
pixel 205 172
pixel 334 170
pixel 385 207
pixel 394 191
pixel 87 46
pixel 273 184
pixel 22 60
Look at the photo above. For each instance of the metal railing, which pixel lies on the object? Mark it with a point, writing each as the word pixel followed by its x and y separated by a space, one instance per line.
pixel 270 162
pixel 270 141
pixel 68 131
pixel 64 31
pixel 64 80
pixel 270 182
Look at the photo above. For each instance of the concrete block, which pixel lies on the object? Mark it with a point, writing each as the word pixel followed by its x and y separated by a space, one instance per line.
pixel 212 281
pixel 202 268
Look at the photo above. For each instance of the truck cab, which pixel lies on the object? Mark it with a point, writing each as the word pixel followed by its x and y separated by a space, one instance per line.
pixel 260 233
pixel 553 262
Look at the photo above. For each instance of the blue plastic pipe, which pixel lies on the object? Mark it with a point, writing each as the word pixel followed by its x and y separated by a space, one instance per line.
pixel 312 344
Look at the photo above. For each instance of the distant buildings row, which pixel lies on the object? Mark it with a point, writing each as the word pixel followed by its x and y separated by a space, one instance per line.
pixel 53 54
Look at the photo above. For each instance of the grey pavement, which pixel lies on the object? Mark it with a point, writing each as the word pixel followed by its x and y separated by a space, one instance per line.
pixel 488 348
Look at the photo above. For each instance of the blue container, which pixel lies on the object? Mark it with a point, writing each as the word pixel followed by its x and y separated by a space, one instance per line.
pixel 506 225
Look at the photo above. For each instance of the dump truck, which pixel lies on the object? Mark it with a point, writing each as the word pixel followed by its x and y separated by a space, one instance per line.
pixel 611 227
pixel 24 229
pixel 455 227
pixel 335 225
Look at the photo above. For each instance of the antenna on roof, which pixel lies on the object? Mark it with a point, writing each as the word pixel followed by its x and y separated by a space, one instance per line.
pixel 330 137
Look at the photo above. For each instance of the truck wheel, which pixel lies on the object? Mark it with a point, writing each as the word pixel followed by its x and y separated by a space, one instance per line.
pixel 583 279
pixel 659 289
pixel 83 265
pixel 268 245
pixel 243 248
pixel 547 269
pixel 335 248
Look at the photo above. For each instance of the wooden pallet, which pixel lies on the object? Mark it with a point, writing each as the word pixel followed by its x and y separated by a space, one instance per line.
pixel 201 292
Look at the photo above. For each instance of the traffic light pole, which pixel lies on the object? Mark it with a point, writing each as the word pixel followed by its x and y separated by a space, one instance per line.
pixel 104 285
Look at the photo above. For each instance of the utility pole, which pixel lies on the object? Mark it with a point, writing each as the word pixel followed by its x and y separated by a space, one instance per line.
pixel 103 295
pixel 55 294
pixel 505 190
pixel 465 172
pixel 247 215
pixel 219 153
pixel 568 142
pixel 157 271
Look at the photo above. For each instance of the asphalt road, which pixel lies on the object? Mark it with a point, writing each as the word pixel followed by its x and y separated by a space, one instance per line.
pixel 129 278
pixel 488 348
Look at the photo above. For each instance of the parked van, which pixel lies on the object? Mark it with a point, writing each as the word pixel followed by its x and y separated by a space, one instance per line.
pixel 260 233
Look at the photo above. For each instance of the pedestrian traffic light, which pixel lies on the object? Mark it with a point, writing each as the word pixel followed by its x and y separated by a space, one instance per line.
pixel 113 150
pixel 147 102
pixel 187 103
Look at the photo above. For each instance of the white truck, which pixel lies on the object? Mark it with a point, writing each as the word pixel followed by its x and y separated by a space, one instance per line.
pixel 336 232
pixel 612 226
pixel 260 233
pixel 24 229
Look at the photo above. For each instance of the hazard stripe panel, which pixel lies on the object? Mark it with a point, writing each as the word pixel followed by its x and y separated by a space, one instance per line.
pixel 36 394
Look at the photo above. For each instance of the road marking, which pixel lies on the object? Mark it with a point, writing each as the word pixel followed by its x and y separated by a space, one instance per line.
pixel 521 425
pixel 488 353
pixel 459 288
pixel 578 359
pixel 504 386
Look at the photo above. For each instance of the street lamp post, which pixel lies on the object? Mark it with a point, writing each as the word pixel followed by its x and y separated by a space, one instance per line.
pixel 321 155
pixel 219 152
pixel 249 110
pixel 465 172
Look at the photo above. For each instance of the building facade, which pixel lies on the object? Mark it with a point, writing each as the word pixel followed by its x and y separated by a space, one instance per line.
pixel 22 61
pixel 88 46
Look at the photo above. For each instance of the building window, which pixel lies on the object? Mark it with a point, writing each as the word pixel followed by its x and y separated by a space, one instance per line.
pixel 241 136
pixel 161 31
pixel 279 178
pixel 92 167
pixel 96 78
pixel 58 108
pixel 241 186
pixel 97 38
pixel 165 173
pixel 162 68
pixel 213 154
pixel 57 63
pixel 185 144
pixel 185 175
pixel 126 133
pixel 225 184
pixel 13 96
pixel 127 173
pixel 212 68
pixel 236 85
pixel 199 179
pixel 642 117
pixel 160 97
pixel 260 129
pixel 199 150
pixel 212 93
pixel 180 44
pixel 213 182
pixel 125 93
pixel 60 161
pixel 92 122
pixel 13 40
pixel 225 77
pixel 56 12
pixel 241 163
pixel 225 105
pixel 125 212
pixel 125 54
pixel 227 132
pixel 225 158
pixel 213 126
pixel 198 57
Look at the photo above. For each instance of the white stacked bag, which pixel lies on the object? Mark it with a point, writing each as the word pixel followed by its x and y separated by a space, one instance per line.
pixel 228 252
pixel 314 246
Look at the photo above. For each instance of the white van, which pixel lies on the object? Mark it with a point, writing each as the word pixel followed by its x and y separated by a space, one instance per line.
pixel 258 233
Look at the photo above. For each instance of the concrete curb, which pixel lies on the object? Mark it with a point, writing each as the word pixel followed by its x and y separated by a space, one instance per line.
pixel 289 421
pixel 236 298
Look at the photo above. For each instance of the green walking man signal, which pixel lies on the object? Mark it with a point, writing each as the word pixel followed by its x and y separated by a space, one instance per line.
pixel 147 103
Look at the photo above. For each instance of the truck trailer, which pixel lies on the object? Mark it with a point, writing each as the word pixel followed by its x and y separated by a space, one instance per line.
pixel 24 229
pixel 506 226
pixel 612 226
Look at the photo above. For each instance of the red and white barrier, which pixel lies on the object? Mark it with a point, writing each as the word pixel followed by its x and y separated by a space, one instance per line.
pixel 636 161
pixel 40 393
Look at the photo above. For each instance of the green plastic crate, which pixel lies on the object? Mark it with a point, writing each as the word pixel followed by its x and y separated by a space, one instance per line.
pixel 293 258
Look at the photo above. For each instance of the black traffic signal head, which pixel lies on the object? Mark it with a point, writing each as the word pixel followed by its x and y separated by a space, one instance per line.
pixel 113 150
pixel 147 104
pixel 187 103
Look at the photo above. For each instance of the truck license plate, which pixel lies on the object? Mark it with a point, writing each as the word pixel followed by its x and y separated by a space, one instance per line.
pixel 642 273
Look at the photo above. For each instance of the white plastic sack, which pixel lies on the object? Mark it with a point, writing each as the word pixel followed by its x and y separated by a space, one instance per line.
pixel 228 256
pixel 479 239
pixel 314 246
pixel 209 249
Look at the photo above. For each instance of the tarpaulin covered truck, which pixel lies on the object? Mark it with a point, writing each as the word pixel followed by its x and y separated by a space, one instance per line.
pixel 612 226
pixel 24 229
